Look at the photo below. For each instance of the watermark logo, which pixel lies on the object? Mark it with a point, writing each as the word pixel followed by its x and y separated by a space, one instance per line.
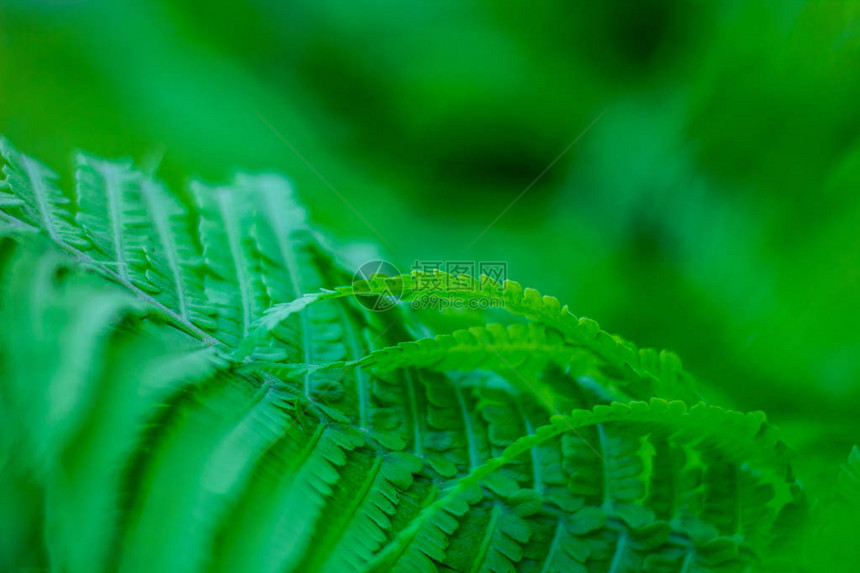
pixel 389 297
pixel 495 270
pixel 458 286
pixel 435 285
pixel 436 302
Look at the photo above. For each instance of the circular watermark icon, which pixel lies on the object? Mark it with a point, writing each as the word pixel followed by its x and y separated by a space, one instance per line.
pixel 390 295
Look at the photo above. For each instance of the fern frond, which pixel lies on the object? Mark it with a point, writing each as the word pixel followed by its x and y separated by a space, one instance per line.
pixel 218 419
pixel 362 512
pixel 271 526
pixel 257 251
pixel 518 352
pixel 39 202
pixel 196 471
pixel 233 285
pixel 85 371
pixel 739 437
pixel 44 206
pixel 173 264
pixel 646 372
pixel 111 213
pixel 520 347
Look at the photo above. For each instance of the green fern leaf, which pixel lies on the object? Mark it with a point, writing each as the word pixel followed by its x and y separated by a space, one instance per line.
pixel 214 416
pixel 647 372
pixel 38 201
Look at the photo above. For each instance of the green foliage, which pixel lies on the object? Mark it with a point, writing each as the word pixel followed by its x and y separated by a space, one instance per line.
pixel 210 408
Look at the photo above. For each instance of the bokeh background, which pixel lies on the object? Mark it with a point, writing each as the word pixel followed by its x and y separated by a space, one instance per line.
pixel 713 208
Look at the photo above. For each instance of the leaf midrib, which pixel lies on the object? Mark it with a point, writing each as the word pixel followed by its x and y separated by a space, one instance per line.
pixel 161 220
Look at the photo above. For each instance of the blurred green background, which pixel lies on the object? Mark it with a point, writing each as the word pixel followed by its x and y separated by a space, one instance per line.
pixel 714 208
